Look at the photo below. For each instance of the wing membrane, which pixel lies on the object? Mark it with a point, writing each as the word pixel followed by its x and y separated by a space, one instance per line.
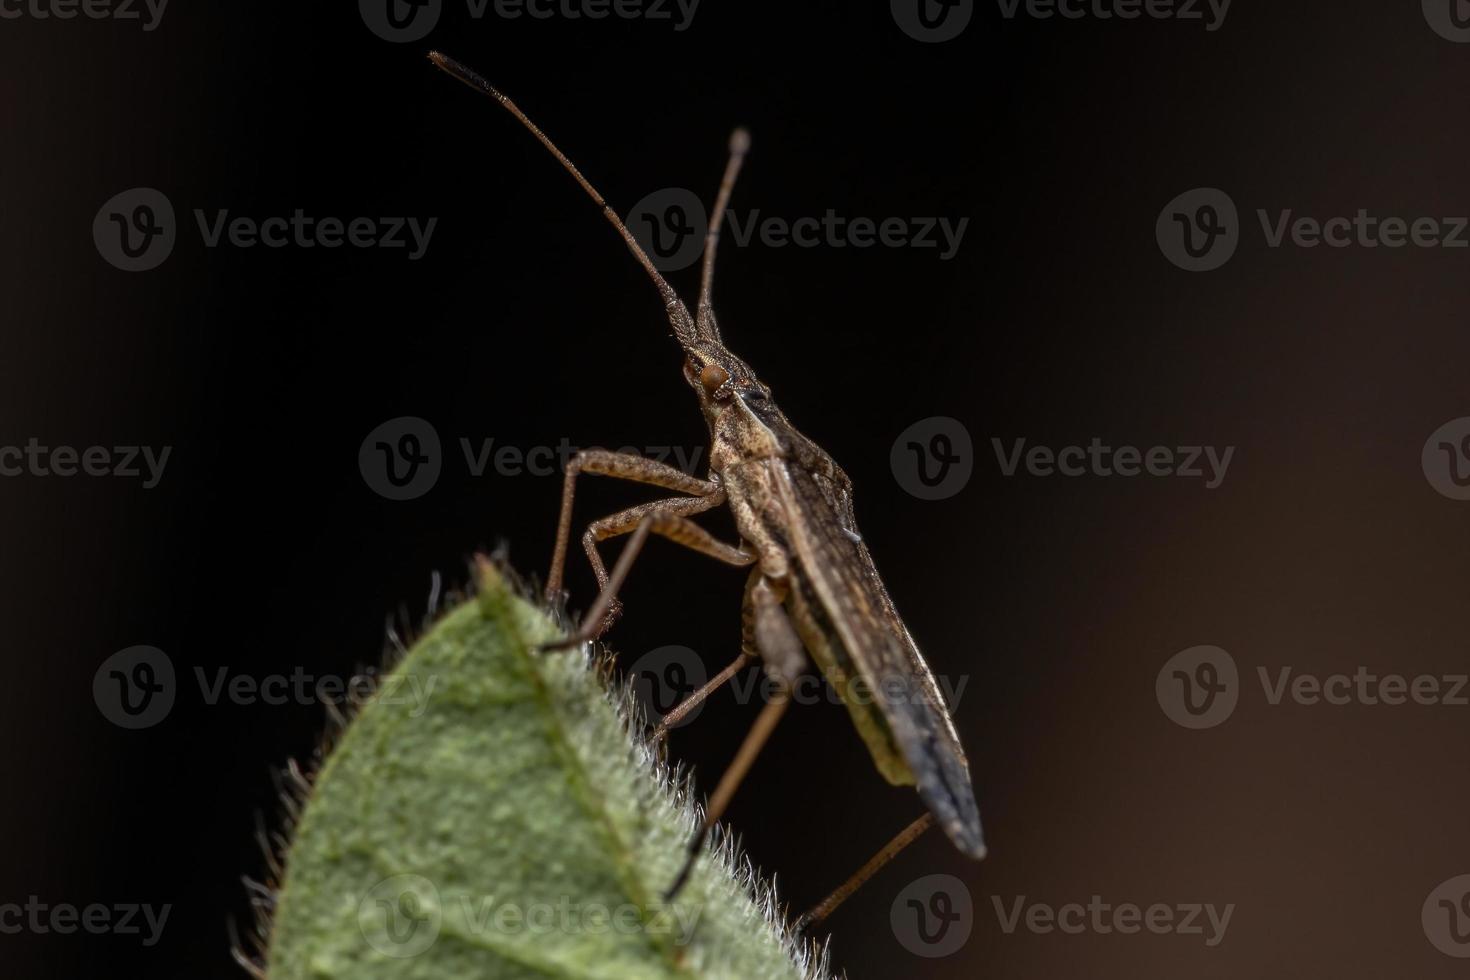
pixel 850 626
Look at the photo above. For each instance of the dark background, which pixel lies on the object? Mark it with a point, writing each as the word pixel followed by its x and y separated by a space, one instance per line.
pixel 1056 599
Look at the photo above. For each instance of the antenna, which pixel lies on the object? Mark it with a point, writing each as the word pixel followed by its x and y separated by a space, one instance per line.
pixel 673 306
pixel 739 146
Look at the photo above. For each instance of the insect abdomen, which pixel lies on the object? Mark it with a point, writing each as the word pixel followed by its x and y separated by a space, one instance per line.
pixel 831 655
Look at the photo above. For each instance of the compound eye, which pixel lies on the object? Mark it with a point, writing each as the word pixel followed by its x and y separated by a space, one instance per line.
pixel 712 377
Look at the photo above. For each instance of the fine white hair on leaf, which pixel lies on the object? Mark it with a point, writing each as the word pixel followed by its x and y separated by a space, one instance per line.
pixel 614 749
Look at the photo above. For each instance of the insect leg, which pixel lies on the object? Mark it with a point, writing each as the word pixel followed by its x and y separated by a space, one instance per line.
pixel 888 852
pixel 665 518
pixel 755 740
pixel 748 652
pixel 694 700
pixel 624 466
pixel 781 649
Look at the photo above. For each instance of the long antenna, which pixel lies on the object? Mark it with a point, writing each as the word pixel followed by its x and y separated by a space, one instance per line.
pixel 673 305
pixel 739 147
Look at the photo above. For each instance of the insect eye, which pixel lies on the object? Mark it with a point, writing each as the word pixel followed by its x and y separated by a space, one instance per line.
pixel 712 377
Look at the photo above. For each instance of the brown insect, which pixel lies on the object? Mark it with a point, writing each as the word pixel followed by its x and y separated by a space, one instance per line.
pixel 813 587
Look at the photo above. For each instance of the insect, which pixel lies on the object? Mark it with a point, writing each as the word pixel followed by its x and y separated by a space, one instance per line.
pixel 813 588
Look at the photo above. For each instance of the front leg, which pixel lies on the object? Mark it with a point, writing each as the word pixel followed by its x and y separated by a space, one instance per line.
pixel 625 466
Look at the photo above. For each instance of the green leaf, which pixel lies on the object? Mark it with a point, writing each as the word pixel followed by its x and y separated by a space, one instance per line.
pixel 496 812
